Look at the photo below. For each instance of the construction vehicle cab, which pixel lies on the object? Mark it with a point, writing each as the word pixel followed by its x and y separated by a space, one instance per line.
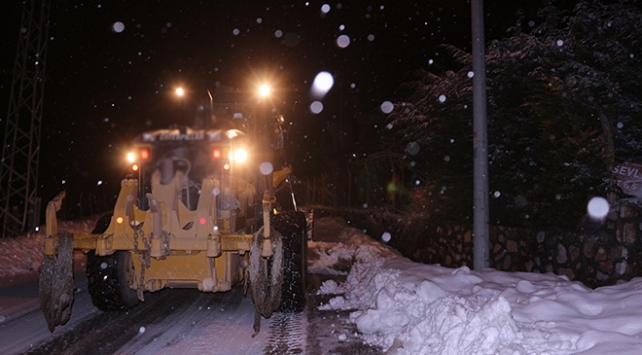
pixel 197 211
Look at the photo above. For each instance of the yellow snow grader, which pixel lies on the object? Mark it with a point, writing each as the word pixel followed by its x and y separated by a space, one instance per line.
pixel 197 211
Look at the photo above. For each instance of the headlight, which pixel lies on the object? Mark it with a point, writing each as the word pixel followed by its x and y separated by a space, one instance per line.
pixel 131 157
pixel 139 154
pixel 239 156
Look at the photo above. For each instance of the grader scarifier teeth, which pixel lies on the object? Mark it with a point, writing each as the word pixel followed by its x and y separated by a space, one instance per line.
pixel 57 283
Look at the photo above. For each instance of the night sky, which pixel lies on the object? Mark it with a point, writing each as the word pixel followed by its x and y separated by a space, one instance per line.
pixel 106 83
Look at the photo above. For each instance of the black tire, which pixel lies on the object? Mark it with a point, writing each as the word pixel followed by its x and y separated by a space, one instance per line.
pixel 108 277
pixel 292 226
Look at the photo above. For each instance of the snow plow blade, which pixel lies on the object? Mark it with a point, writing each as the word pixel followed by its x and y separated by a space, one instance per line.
pixel 56 284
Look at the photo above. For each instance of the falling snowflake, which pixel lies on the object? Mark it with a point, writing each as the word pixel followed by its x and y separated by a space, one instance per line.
pixel 387 107
pixel 316 107
pixel 266 168
pixel 118 27
pixel 343 41
pixel 598 207
pixel 322 83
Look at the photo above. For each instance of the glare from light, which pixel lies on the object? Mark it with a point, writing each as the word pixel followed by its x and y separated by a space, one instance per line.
pixel 180 92
pixel 264 90
pixel 131 157
pixel 240 156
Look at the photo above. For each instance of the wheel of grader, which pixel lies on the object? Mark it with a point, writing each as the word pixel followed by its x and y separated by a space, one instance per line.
pixel 57 283
pixel 266 278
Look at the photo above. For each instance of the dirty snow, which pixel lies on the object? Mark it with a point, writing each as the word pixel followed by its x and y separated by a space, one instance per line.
pixel 23 255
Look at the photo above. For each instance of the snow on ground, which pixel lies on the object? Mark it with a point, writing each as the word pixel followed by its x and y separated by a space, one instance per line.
pixel 23 255
pixel 411 308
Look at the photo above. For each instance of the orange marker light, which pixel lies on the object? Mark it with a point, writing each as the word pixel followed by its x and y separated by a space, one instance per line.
pixel 226 166
pixel 216 153
pixel 135 167
pixel 119 220
pixel 144 154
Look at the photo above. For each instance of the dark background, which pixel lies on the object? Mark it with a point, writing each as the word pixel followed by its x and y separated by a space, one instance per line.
pixel 105 87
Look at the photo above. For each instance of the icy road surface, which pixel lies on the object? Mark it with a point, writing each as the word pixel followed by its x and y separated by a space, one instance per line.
pixel 182 321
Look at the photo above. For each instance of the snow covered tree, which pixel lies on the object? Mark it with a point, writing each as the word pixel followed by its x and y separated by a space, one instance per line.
pixel 564 106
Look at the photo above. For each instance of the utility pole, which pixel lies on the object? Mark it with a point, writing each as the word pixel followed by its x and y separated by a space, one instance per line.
pixel 19 204
pixel 480 141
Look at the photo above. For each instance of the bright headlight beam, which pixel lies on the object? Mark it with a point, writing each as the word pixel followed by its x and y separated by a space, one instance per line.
pixel 240 155
pixel 131 157
pixel 264 90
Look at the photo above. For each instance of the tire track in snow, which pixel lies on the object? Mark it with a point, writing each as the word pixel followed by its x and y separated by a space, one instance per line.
pixel 288 334
pixel 219 323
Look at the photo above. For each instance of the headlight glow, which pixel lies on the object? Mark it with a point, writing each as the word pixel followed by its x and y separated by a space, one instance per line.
pixel 131 157
pixel 240 156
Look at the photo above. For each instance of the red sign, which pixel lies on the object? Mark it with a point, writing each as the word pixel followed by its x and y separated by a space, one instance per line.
pixel 629 178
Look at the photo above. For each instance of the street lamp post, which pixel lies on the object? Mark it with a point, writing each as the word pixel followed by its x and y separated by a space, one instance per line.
pixel 480 141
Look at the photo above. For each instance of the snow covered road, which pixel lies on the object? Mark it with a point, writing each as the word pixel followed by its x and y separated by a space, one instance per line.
pixel 184 321
pixel 178 321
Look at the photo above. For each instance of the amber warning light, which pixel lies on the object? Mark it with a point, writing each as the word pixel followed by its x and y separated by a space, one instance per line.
pixel 216 153
pixel 144 154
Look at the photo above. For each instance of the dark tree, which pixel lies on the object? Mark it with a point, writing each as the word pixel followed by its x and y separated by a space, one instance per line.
pixel 564 107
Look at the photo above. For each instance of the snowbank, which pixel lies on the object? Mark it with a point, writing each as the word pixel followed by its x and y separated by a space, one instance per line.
pixel 410 308
pixel 23 255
